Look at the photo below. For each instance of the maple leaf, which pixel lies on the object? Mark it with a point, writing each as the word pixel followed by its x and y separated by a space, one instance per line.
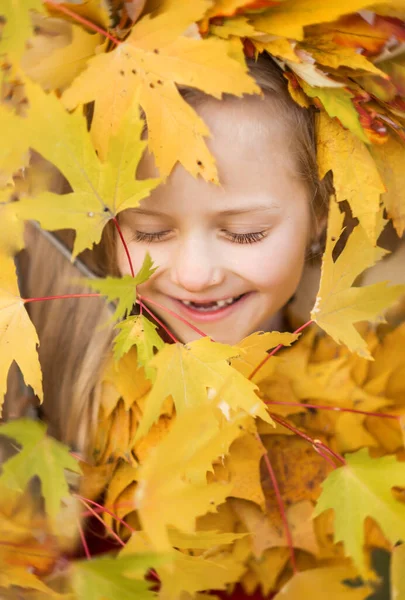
pixel 18 337
pixel 18 26
pixel 228 8
pixel 196 573
pixel 390 159
pixel 59 53
pixel 153 57
pixel 118 578
pixel 326 51
pixel 95 11
pixel 313 583
pixel 289 18
pixel 355 175
pixel 138 330
pixel 40 456
pixel 337 103
pixel 338 305
pixel 253 350
pixel 20 576
pixel 238 26
pixel 13 155
pixel 122 288
pixel 360 489
pixel 191 574
pixel 11 228
pixel 201 539
pixel 186 371
pixel 128 379
pixel 100 190
pixel 172 486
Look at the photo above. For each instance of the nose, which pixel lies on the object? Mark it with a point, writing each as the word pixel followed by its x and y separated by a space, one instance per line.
pixel 195 266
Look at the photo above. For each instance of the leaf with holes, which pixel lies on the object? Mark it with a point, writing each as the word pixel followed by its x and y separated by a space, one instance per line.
pixel 339 306
pixel 152 60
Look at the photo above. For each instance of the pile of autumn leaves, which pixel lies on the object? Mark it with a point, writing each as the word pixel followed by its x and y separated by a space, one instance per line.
pixel 198 492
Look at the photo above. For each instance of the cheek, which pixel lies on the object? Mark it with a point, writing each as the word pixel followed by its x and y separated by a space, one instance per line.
pixel 281 259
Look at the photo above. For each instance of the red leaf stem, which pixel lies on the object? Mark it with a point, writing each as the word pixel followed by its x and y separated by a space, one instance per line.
pixel 101 508
pixel 317 444
pixel 281 507
pixel 82 20
pixel 61 297
pixel 83 540
pixel 109 529
pixel 276 349
pixel 143 299
pixel 117 225
pixel 169 333
pixel 336 409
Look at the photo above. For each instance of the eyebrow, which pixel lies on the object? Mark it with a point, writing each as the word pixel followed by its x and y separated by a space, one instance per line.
pixel 229 212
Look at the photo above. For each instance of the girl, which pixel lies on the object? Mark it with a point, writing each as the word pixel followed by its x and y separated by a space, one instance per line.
pixel 230 259
pixel 210 244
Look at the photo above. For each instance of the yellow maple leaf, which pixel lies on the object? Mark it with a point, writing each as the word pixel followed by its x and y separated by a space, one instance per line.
pixel 151 60
pixel 190 574
pixel 254 349
pixel 355 174
pixel 18 25
pixel 13 155
pixel 225 8
pixel 23 578
pixel 238 26
pixel 313 583
pixel 187 371
pixel 289 18
pixel 243 465
pixel 100 190
pixel 326 52
pixel 390 160
pixel 11 227
pixel 338 305
pixel 58 53
pixel 172 487
pixel 18 338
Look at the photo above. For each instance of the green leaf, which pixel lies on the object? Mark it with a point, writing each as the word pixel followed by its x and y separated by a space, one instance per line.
pixel 114 578
pixel 361 489
pixel 18 27
pixel 138 330
pixel 41 456
pixel 100 190
pixel 337 103
pixel 122 288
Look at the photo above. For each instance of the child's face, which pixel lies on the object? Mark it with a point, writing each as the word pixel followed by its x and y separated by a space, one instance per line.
pixel 194 230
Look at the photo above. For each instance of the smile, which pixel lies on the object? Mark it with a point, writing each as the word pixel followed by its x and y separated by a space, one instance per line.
pixel 204 306
pixel 210 311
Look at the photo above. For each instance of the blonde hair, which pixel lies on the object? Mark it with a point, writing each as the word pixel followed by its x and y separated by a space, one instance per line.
pixel 73 346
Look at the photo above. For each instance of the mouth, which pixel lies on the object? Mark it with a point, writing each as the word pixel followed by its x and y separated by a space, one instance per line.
pixel 210 311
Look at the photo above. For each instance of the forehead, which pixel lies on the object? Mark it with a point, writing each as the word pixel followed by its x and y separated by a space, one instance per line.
pixel 254 150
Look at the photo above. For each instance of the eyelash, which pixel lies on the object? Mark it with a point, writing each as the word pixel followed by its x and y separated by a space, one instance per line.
pixel 238 238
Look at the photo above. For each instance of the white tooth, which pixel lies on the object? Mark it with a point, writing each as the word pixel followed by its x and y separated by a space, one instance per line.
pixel 229 301
pixel 222 303
pixel 186 302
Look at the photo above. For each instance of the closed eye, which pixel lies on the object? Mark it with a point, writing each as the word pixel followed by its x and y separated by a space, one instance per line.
pixel 246 238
